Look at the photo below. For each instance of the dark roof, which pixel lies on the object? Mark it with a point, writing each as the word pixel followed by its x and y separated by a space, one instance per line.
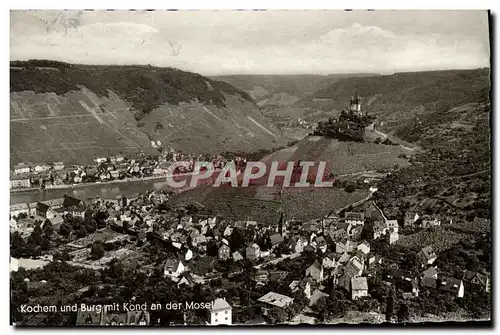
pixel 88 318
pixel 70 201
pixel 114 317
pixel 42 207
pixel 428 282
pixel 450 284
pixel 469 275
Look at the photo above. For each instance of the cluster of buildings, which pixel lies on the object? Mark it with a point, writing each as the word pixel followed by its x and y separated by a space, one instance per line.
pixel 343 245
pixel 27 175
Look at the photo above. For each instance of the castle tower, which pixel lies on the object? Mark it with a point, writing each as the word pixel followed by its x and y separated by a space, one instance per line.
pixel 355 103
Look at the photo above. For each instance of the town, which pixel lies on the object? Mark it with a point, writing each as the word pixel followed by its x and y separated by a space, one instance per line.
pixel 259 273
pixel 108 169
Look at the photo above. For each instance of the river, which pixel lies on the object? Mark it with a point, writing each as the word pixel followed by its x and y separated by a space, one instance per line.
pixel 105 191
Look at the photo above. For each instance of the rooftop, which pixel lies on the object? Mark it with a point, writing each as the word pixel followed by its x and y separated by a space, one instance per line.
pixel 220 304
pixel 276 299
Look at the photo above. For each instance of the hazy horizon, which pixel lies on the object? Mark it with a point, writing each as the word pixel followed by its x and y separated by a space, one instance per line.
pixel 217 43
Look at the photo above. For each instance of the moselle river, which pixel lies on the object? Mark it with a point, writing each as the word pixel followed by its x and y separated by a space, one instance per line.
pixel 105 191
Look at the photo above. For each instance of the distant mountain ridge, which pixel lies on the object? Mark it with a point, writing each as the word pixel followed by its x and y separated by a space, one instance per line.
pixel 73 113
pixel 397 98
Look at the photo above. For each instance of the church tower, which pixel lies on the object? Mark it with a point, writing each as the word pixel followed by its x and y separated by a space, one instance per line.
pixel 355 103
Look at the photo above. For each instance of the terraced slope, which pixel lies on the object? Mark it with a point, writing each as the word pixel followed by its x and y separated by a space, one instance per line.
pixel 74 127
pixel 200 128
pixel 74 113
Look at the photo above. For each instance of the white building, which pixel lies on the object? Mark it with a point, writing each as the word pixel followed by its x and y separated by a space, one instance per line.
pixel 221 313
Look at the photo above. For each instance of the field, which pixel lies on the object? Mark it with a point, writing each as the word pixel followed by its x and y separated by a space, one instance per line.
pixel 343 158
pixel 250 204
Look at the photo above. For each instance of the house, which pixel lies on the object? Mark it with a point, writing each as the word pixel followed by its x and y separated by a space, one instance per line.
pixel 237 256
pixel 392 225
pixel 430 273
pixel 22 168
pixel 338 234
pixel 187 254
pixel 364 247
pixel 321 243
pixel 315 271
pixel 221 313
pixel 44 211
pixel 409 289
pixel 228 231
pixel 77 211
pixel 426 256
pixel 401 275
pixel 359 288
pixel 354 218
pixel 428 282
pixel 328 262
pixel 357 265
pixel 304 285
pixel 453 286
pixel 100 160
pixel 139 318
pixel 20 182
pixel 317 294
pixel 476 281
pixel 173 268
pixel 253 252
pixel 261 276
pixel 186 279
pixel 373 260
pixel 114 174
pixel 379 229
pixel 342 246
pixel 41 168
pixel 427 221
pixel 297 244
pixel 392 237
pixel 355 232
pixel 69 201
pixel 410 218
pixel 224 252
pixel 58 166
pixel 276 300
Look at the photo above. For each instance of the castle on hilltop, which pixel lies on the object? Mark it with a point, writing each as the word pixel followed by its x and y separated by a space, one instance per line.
pixel 355 105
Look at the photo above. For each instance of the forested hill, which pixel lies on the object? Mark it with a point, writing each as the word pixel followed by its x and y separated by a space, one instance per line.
pixel 145 87
pixel 73 113
pixel 398 98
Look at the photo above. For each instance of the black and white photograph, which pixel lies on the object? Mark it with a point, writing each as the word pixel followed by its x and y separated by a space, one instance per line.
pixel 259 168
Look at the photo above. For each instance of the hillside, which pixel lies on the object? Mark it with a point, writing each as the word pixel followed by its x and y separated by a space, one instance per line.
pixel 281 90
pixel 397 98
pixel 74 113
pixel 453 175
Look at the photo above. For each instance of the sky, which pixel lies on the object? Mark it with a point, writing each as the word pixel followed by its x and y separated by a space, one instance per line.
pixel 257 42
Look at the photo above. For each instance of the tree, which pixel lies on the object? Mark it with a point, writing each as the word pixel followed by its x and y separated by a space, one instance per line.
pixel 36 235
pixel 82 232
pixel 45 244
pixel 236 240
pixel 403 313
pixel 65 229
pixel 48 229
pixel 96 251
pixel 391 303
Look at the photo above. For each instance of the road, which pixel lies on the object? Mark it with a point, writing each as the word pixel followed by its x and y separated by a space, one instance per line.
pixel 277 260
